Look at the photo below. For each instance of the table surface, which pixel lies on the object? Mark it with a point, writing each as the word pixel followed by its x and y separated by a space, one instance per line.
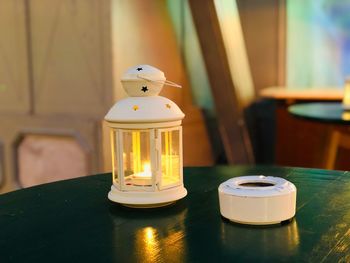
pixel 330 112
pixel 73 221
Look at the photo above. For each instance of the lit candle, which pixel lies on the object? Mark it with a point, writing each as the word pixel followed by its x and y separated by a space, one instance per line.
pixel 147 173
pixel 144 177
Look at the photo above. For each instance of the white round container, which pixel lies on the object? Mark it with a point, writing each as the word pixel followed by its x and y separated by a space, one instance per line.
pixel 257 200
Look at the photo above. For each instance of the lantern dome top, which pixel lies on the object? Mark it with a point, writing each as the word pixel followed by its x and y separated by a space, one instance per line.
pixel 152 109
pixel 144 81
pixel 141 72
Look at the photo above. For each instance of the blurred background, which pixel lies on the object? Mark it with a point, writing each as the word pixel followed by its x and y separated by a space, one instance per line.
pixel 241 64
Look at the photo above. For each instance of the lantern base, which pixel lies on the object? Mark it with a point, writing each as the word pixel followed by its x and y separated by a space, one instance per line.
pixel 149 205
pixel 136 199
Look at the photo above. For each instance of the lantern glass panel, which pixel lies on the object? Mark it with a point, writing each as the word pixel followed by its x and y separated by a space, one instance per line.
pixel 170 158
pixel 114 139
pixel 137 158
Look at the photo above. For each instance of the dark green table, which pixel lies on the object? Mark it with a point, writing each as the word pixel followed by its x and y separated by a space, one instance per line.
pixel 73 221
pixel 331 112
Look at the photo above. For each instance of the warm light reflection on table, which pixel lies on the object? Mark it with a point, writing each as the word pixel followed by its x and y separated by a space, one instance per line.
pixel 152 243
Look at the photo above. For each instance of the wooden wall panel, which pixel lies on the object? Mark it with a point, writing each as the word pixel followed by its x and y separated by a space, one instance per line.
pixel 85 131
pixel 263 24
pixel 14 81
pixel 70 56
pixel 45 158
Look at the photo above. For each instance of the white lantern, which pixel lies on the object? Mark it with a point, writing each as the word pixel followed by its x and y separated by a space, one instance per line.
pixel 146 141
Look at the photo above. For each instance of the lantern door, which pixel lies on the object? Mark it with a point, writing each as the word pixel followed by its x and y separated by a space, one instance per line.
pixel 170 157
pixel 136 160
pixel 115 153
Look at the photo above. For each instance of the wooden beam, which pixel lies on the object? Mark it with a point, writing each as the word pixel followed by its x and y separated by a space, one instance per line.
pixel 230 117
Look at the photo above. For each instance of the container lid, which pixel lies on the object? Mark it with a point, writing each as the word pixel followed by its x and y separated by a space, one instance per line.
pixel 144 110
pixel 257 186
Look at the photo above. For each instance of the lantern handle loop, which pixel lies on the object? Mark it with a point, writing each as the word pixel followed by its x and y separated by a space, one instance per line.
pixel 165 82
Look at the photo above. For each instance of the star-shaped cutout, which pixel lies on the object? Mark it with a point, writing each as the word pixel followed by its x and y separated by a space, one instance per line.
pixel 139 69
pixel 144 88
pixel 135 108
pixel 168 105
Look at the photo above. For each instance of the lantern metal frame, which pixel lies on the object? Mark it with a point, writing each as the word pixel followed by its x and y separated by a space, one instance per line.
pixel 145 196
pixel 155 159
pixel 120 166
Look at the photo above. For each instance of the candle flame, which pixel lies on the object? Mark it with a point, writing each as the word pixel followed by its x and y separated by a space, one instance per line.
pixel 147 167
pixel 147 172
